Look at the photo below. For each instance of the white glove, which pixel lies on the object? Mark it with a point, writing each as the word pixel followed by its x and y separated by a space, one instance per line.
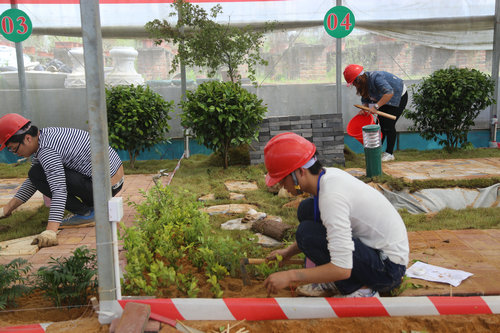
pixel 45 239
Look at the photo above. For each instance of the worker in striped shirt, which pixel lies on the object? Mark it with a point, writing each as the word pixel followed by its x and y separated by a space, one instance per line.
pixel 61 169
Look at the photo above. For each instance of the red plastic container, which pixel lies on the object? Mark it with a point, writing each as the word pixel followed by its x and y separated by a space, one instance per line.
pixel 355 126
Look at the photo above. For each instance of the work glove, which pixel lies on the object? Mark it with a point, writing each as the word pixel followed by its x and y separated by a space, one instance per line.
pixel 45 239
pixel 2 215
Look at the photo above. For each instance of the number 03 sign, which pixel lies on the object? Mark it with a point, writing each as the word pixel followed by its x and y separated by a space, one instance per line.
pixel 15 25
pixel 339 21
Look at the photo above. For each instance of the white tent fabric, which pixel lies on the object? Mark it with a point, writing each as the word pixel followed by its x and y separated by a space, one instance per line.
pixel 451 24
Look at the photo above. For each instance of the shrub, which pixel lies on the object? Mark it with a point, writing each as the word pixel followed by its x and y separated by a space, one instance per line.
pixel 69 280
pixel 447 102
pixel 137 118
pixel 222 115
pixel 13 278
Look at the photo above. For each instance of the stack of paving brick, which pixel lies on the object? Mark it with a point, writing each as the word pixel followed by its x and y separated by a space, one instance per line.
pixel 325 131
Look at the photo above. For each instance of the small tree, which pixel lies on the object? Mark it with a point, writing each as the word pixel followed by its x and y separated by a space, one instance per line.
pixel 205 43
pixel 222 115
pixel 447 102
pixel 137 118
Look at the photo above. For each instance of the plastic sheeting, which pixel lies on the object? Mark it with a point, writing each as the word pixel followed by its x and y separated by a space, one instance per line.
pixel 451 24
pixel 456 25
pixel 434 200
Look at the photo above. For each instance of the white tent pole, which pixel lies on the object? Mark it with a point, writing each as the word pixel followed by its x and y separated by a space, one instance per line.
pixel 338 59
pixel 21 74
pixel 494 67
pixel 101 182
pixel 183 90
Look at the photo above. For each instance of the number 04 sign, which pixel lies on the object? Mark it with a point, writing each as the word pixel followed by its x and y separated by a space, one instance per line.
pixel 339 21
pixel 15 25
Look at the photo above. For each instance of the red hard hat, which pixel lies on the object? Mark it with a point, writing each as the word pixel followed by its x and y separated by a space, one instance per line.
pixel 285 153
pixel 9 125
pixel 351 72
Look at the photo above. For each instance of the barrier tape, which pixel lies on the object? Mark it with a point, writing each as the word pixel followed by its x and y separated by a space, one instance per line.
pixel 303 308
pixel 317 307
pixel 33 328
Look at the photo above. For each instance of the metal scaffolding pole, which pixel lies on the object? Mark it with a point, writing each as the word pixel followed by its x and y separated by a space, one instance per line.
pixel 494 69
pixel 21 74
pixel 101 182
pixel 338 59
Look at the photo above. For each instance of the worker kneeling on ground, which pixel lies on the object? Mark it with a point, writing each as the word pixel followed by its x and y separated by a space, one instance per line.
pixel 351 232
pixel 61 169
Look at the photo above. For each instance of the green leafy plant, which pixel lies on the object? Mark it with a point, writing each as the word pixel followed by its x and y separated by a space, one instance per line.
pixel 267 268
pixel 188 284
pixel 447 102
pixel 405 284
pixel 69 280
pixel 13 281
pixel 172 244
pixel 205 43
pixel 222 115
pixel 215 289
pixel 137 118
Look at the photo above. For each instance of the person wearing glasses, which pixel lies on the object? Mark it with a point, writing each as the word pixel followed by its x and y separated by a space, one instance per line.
pixel 382 91
pixel 350 231
pixel 61 169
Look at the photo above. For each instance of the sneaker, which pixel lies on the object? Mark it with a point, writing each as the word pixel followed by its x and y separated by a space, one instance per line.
pixel 317 290
pixel 387 157
pixel 364 292
pixel 78 221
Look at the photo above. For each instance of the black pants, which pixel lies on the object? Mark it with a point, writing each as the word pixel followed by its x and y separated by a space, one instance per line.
pixel 80 197
pixel 388 126
pixel 369 269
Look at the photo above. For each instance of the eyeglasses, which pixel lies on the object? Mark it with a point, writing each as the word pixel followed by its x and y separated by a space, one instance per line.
pixel 16 149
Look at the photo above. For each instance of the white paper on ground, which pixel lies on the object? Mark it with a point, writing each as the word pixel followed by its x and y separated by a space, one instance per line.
pixel 420 270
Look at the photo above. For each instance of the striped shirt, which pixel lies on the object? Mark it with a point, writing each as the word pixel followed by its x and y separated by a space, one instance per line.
pixel 60 148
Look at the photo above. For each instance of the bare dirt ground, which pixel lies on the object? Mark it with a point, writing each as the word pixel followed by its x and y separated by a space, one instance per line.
pixel 36 309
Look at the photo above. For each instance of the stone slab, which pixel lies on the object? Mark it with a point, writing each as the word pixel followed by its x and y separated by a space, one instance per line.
pixel 18 247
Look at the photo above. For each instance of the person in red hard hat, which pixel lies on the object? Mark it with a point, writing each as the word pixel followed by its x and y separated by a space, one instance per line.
pixel 381 91
pixel 350 231
pixel 61 169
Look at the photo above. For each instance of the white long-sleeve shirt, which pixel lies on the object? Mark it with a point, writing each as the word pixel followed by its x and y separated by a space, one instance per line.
pixel 349 208
pixel 58 148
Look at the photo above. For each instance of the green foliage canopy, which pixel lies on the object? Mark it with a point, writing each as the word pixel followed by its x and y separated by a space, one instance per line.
pixel 222 115
pixel 203 42
pixel 447 102
pixel 137 118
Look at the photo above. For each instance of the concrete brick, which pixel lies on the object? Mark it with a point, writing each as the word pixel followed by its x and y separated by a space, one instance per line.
pixel 324 130
pixel 134 318
pixel 153 326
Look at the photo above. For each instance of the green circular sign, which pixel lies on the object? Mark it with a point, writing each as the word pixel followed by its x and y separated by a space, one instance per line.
pixel 15 25
pixel 339 21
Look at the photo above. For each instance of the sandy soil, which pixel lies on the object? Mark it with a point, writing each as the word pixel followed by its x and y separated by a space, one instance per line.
pixel 36 309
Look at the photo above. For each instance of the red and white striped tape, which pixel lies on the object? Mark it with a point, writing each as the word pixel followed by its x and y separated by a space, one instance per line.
pixel 317 307
pixel 32 328
pixel 303 308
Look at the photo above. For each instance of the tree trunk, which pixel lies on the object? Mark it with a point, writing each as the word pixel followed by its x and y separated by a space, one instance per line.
pixel 272 228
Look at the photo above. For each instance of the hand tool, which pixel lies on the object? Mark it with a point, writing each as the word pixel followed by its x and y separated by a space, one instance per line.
pixel 257 261
pixel 174 323
pixel 380 113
